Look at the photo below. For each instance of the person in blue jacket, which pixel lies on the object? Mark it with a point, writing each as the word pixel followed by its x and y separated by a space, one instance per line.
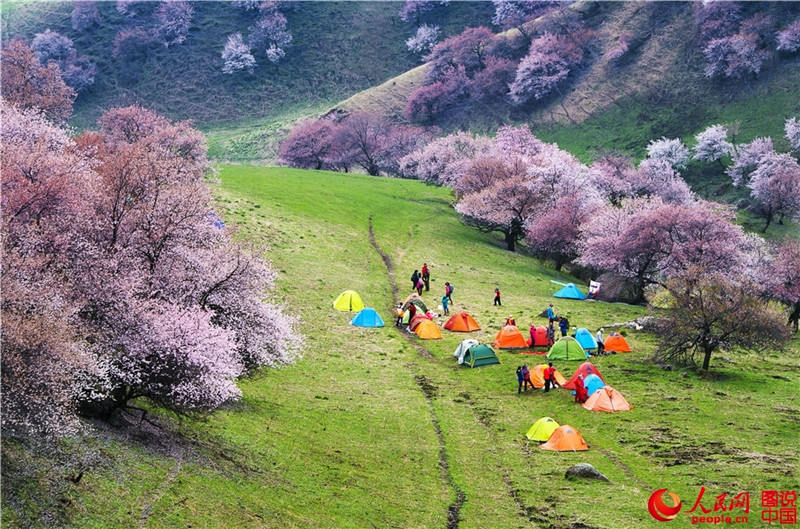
pixel 551 315
pixel 563 324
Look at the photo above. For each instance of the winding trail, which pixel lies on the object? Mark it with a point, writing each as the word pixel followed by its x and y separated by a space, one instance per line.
pixel 160 491
pixel 429 390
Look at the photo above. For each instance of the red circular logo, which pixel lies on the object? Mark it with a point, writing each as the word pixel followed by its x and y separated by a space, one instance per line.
pixel 660 510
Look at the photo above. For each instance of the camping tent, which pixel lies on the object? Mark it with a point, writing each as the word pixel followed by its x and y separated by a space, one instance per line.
pixel 348 301
pixel 418 318
pixel 462 349
pixel 607 399
pixel 480 355
pixel 616 343
pixel 367 318
pixel 427 330
pixel 416 300
pixel 539 337
pixel 537 376
pixel 570 292
pixel 542 429
pixel 565 439
pixel 462 322
pixel 509 337
pixel 567 348
pixel 592 383
pixel 585 338
pixel 585 369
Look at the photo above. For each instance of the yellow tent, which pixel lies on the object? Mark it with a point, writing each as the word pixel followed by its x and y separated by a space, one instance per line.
pixel 542 429
pixel 427 330
pixel 348 301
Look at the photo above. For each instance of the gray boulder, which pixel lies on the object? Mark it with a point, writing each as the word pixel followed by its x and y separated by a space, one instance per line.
pixel 584 470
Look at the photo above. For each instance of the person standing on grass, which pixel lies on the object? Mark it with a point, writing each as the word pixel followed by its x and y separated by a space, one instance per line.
pixel 580 390
pixel 420 284
pixel 448 291
pixel 549 377
pixel 412 311
pixel 563 324
pixel 398 311
pixel 520 380
pixel 526 377
pixel 533 334
pixel 414 279
pixel 426 276
pixel 510 321
pixel 600 346
pixel 497 297
pixel 551 334
pixel 444 305
pixel 551 313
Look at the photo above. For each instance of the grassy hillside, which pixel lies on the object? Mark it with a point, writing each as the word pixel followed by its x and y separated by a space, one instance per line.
pixel 658 91
pixel 338 48
pixel 373 429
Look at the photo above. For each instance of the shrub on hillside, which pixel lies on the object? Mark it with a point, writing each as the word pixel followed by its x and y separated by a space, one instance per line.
pixel 424 39
pixel 236 55
pixel 173 19
pixel 789 38
pixel 775 185
pixel 27 84
pixel 672 151
pixel 712 144
pixel 792 129
pixel 84 15
pixel 270 32
pixel 77 71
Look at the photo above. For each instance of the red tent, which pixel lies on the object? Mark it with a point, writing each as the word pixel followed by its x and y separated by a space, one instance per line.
pixel 585 369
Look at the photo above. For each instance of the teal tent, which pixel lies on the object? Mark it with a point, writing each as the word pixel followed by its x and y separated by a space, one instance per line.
pixel 480 355
pixel 592 383
pixel 585 338
pixel 570 292
pixel 367 318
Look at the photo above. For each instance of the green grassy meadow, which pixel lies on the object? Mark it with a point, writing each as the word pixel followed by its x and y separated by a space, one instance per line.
pixel 371 429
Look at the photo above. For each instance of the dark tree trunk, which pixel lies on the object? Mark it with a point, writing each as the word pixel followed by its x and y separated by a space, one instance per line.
pixel 769 221
pixel 707 350
pixel 511 241
pixel 794 316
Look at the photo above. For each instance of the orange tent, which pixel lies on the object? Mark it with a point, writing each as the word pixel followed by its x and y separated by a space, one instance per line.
pixel 607 399
pixel 616 342
pixel 427 330
pixel 585 369
pixel 462 322
pixel 417 319
pixel 565 439
pixel 509 337
pixel 537 376
pixel 539 337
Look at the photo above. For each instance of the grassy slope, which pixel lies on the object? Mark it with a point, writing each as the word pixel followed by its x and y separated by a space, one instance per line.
pixel 336 51
pixel 345 438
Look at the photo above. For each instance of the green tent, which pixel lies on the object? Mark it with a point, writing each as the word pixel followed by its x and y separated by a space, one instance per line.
pixel 480 355
pixel 567 348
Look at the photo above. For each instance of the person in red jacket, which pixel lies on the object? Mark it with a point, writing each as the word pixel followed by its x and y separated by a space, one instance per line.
pixel 497 296
pixel 426 276
pixel 580 390
pixel 549 377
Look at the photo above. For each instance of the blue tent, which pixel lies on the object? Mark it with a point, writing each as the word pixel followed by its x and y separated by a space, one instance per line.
pixel 585 338
pixel 367 318
pixel 570 292
pixel 592 384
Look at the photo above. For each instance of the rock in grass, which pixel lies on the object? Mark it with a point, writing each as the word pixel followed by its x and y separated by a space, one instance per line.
pixel 584 470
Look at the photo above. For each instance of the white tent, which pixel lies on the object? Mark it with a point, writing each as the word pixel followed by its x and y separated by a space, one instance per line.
pixel 462 349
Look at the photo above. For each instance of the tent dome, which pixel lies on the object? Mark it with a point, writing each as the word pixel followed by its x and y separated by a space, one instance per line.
pixel 542 429
pixel 462 322
pixel 427 330
pixel 367 318
pixel 565 439
pixel 462 349
pixel 567 348
pixel 585 369
pixel 585 338
pixel 509 337
pixel 480 355
pixel 348 301
pixel 570 292
pixel 592 383
pixel 607 399
pixel 537 376
pixel 539 336
pixel 616 343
